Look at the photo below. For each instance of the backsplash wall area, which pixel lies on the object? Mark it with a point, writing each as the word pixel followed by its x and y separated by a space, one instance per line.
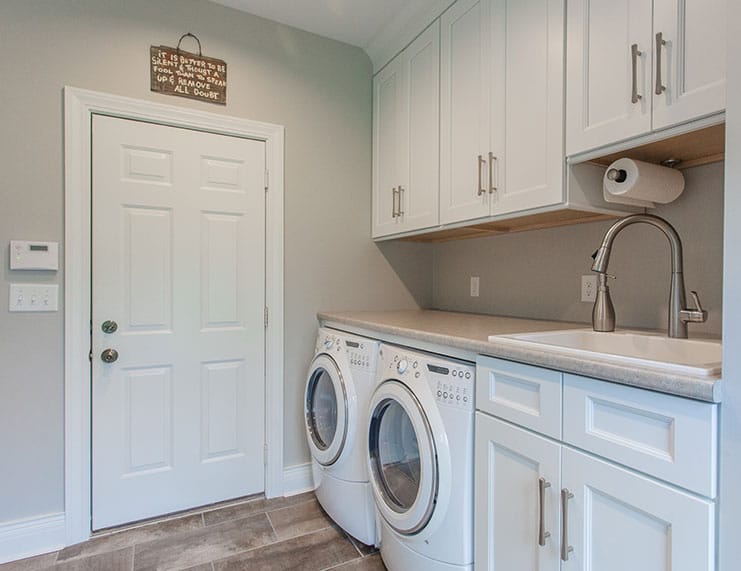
pixel 537 274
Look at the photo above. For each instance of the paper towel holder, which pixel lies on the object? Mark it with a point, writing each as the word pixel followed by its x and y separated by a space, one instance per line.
pixel 671 163
pixel 618 175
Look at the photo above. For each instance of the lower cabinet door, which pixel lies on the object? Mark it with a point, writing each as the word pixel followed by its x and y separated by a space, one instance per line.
pixel 516 498
pixel 615 519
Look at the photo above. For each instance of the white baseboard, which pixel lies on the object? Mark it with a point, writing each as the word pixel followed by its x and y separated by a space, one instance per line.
pixel 297 479
pixel 33 536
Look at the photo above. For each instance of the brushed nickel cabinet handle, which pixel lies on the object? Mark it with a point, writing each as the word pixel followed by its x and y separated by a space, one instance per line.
pixel 542 533
pixel 566 549
pixel 660 41
pixel 635 53
pixel 393 203
pixel 400 210
pixel 492 160
pixel 481 162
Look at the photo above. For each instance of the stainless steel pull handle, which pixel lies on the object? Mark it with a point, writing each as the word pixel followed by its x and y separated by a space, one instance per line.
pixel 492 160
pixel 635 53
pixel 660 41
pixel 393 203
pixel 543 484
pixel 109 356
pixel 566 549
pixel 481 162
pixel 400 210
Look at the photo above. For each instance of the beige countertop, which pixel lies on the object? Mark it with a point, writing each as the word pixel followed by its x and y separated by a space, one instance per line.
pixel 470 333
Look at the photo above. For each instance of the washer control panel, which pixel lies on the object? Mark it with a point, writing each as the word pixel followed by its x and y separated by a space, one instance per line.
pixel 451 382
pixel 360 353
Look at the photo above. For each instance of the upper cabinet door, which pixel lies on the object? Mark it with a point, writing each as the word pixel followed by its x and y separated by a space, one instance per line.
pixel 420 191
pixel 389 163
pixel 465 116
pixel 690 71
pixel 608 80
pixel 527 104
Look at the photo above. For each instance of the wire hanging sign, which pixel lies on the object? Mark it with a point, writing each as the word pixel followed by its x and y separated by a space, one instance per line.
pixel 174 71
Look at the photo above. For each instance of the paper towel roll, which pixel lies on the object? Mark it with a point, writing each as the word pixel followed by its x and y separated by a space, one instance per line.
pixel 641 184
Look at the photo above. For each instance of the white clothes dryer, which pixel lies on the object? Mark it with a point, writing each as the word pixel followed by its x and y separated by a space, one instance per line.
pixel 420 459
pixel 338 388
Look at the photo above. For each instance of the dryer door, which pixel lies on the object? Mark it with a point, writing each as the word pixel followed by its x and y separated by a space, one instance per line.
pixel 402 458
pixel 326 410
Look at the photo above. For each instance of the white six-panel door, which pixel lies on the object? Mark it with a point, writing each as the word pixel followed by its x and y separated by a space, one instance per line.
pixel 178 264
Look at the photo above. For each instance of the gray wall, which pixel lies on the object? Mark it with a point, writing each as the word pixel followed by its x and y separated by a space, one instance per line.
pixel 319 89
pixel 538 274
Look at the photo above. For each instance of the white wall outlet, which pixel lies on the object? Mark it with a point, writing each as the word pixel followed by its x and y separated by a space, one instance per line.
pixel 474 286
pixel 589 288
pixel 33 297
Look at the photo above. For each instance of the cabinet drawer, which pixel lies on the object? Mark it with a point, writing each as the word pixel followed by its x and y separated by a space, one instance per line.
pixel 669 437
pixel 523 394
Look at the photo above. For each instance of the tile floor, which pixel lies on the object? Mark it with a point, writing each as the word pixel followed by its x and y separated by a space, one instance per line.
pixel 252 534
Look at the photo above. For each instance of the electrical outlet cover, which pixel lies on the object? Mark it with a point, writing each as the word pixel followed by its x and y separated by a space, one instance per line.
pixel 589 288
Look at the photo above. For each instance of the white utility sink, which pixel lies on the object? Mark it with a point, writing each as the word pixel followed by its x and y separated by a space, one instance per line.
pixel 682 356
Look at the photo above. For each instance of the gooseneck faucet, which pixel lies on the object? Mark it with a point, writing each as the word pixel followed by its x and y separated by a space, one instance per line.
pixel 603 315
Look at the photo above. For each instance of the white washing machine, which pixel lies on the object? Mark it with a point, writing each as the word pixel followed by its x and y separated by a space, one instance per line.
pixel 420 459
pixel 338 389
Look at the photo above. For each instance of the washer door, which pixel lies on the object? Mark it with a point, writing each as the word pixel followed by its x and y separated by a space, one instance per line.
pixel 326 410
pixel 402 458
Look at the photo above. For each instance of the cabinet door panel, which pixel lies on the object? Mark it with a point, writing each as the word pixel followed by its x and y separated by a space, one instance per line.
pixel 388 144
pixel 464 99
pixel 509 463
pixel 693 59
pixel 527 104
pixel 599 34
pixel 420 191
pixel 618 520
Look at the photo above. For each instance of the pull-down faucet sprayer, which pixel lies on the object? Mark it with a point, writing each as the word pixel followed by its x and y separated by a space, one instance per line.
pixel 603 314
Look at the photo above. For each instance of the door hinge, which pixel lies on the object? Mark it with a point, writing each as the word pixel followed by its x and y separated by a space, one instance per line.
pixel 90 356
pixel 266 316
pixel 267 179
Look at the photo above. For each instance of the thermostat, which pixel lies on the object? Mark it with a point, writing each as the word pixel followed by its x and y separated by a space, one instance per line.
pixel 34 255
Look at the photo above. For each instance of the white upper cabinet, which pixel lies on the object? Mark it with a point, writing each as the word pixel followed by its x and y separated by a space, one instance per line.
pixel 636 66
pixel 465 101
pixel 527 104
pixel 693 60
pixel 501 107
pixel 406 138
pixel 608 80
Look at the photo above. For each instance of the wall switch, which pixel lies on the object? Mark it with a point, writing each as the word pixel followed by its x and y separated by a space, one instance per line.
pixel 589 288
pixel 474 286
pixel 33 297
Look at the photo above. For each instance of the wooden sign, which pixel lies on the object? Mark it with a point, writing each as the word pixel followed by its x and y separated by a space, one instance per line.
pixel 177 72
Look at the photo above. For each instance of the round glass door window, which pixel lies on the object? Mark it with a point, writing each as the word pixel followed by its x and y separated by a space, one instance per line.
pixel 321 401
pixel 394 451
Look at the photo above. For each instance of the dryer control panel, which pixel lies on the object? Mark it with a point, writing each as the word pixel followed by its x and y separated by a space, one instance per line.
pixel 360 353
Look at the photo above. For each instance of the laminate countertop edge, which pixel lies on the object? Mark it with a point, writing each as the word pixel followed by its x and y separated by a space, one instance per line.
pixel 465 332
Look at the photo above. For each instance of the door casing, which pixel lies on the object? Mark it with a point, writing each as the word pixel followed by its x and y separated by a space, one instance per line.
pixel 79 107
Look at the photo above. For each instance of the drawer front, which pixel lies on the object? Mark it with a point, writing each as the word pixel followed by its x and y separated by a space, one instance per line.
pixel 668 437
pixel 523 394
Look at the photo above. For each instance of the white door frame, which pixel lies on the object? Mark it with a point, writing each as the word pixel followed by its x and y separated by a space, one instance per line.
pixel 79 107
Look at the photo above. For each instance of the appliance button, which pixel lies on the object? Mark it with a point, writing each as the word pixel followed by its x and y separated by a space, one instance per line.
pixel 455 373
pixel 465 399
pixel 416 375
pixel 328 343
pixel 468 375
pixel 414 365
pixel 445 395
pixel 458 397
pixel 439 393
pixel 402 366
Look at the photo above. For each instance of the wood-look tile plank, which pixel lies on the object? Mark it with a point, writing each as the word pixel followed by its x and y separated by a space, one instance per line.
pixel 252 507
pixel 299 519
pixel 200 546
pixel 132 536
pixel 362 548
pixel 120 560
pixel 311 552
pixel 370 563
pixel 31 563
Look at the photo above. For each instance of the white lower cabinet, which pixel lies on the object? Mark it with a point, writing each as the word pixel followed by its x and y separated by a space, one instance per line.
pixel 543 505
pixel 618 519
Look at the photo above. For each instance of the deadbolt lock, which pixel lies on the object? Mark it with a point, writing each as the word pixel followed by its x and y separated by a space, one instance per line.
pixel 109 326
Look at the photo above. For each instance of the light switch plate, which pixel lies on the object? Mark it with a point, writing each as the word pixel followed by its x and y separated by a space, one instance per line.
pixel 33 297
pixel 474 286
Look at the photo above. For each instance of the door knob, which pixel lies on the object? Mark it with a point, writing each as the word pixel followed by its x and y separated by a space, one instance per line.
pixel 109 326
pixel 109 356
